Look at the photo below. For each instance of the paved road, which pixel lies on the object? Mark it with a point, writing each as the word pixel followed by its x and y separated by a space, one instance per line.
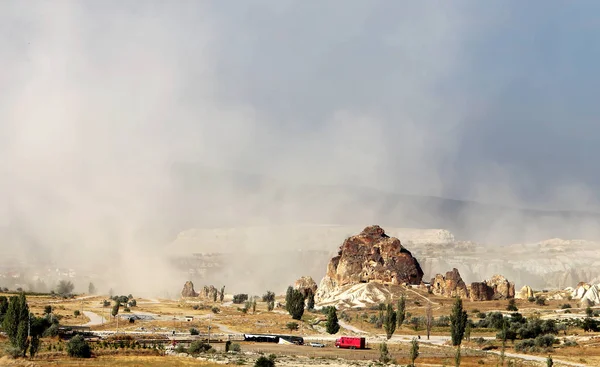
pixel 95 319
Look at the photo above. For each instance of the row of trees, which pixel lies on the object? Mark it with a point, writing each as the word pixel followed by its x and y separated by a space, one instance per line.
pixel 22 328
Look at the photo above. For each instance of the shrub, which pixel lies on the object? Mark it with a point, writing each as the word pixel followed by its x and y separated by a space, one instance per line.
pixel 78 347
pixel 235 347
pixel 268 297
pixel 531 299
pixel 51 331
pixel 512 305
pixel 240 298
pixel 527 345
pixel 215 309
pixel 545 341
pixel 198 347
pixel 292 326
pixel 540 301
pixel 180 349
pixel 194 331
pixel 76 313
pixel 263 361
pixel 565 306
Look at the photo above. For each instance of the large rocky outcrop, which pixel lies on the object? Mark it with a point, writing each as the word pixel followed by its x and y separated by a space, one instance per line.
pixel 525 293
pixel 371 256
pixel 306 285
pixel 450 285
pixel 188 290
pixel 497 287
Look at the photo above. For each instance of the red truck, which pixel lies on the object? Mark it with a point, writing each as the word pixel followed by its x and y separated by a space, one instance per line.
pixel 351 342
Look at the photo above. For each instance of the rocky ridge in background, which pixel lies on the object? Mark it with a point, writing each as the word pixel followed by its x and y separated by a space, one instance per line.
pixel 370 256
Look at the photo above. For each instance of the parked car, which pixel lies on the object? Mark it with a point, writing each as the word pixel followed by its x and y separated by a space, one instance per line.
pixel 317 345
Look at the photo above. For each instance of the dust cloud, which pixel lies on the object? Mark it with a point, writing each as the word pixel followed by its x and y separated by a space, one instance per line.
pixel 123 124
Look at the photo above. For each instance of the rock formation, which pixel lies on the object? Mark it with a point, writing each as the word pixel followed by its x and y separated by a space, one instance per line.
pixel 188 290
pixel 588 295
pixel 306 285
pixel 498 287
pixel 371 256
pixel 503 289
pixel 450 285
pixel 525 292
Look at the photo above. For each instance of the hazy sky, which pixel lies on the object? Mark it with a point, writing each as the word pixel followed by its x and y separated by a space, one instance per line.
pixel 491 101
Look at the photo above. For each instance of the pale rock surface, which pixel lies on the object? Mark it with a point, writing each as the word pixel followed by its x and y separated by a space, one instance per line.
pixel 525 292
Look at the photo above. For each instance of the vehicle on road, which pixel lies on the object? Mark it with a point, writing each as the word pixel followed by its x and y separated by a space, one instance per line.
pixel 350 342
pixel 317 345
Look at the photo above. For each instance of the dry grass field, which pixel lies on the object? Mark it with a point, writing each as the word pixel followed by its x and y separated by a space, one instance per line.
pixel 168 315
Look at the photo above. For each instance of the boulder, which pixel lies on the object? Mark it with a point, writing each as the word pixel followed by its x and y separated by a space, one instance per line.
pixel 450 285
pixel 188 290
pixel 525 292
pixel 306 285
pixel 370 256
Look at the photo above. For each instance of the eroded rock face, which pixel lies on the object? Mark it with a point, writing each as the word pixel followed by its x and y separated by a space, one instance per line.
pixel 450 285
pixel 371 256
pixel 498 287
pixel 306 285
pixel 188 290
pixel 525 292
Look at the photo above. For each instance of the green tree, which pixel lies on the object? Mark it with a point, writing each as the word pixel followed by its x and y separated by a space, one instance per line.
pixel 332 326
pixel 47 310
pixel 115 309
pixel 78 347
pixel 549 362
pixel 458 322
pixel 401 313
pixel 270 305
pixel 3 308
pixel 310 303
pixel 414 351
pixel 39 325
pixel 64 287
pixel 589 312
pixel 384 353
pixel 16 322
pixel 91 288
pixel 296 305
pixel 389 322
pixel 288 297
pixel 254 306
pixel 222 294
pixel 268 297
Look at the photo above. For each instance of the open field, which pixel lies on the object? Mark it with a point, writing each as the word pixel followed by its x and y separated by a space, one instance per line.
pixel 165 316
